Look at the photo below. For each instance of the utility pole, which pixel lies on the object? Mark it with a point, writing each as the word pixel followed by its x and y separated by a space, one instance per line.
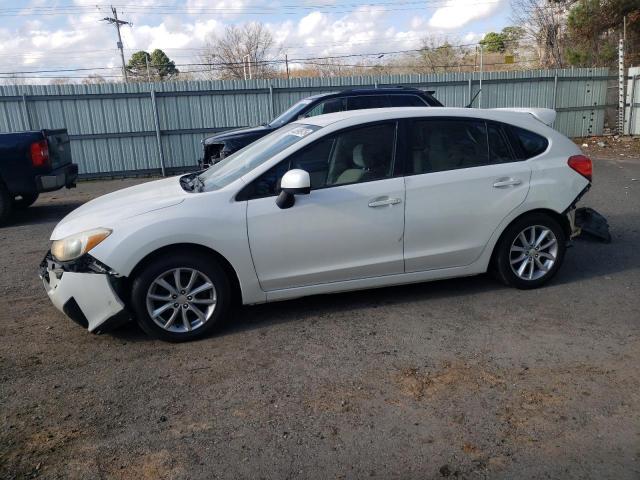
pixel 481 74
pixel 146 59
pixel 114 21
pixel 286 62
pixel 622 80
pixel 246 61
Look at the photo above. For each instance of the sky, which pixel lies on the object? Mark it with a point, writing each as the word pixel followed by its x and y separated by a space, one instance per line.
pixel 53 35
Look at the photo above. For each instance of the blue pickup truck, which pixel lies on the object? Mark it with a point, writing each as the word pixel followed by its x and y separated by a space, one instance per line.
pixel 31 163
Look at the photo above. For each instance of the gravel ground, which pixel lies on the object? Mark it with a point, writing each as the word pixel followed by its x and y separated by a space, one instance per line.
pixel 461 378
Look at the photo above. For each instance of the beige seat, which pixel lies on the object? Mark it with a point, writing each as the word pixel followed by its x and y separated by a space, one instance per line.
pixel 352 175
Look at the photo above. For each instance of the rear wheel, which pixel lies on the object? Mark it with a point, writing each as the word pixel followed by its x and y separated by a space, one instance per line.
pixel 530 251
pixel 181 297
pixel 6 203
pixel 25 200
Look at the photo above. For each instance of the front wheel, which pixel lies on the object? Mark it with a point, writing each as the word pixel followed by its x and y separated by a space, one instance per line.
pixel 6 203
pixel 180 297
pixel 530 251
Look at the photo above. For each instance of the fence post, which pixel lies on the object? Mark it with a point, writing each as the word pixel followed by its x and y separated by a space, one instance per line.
pixel 631 102
pixel 25 112
pixel 555 90
pixel 156 119
pixel 271 108
pixel 470 88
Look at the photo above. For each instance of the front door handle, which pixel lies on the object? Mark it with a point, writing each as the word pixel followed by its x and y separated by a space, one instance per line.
pixel 383 201
pixel 507 182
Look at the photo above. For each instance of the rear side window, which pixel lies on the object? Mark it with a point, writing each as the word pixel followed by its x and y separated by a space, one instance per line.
pixel 367 101
pixel 499 148
pixel 531 144
pixel 406 101
pixel 447 144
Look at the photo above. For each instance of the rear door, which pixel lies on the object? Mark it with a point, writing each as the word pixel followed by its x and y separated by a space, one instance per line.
pixel 462 181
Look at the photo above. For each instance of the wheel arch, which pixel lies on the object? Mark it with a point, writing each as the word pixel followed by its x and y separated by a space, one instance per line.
pixel 232 275
pixel 562 220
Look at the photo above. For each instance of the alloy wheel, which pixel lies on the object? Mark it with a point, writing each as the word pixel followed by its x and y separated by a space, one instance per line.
pixel 533 252
pixel 181 300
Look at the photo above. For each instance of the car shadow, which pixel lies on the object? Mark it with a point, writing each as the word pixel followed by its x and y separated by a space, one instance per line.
pixel 603 260
pixel 41 213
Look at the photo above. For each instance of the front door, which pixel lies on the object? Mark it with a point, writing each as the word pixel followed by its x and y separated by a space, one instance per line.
pixel 351 224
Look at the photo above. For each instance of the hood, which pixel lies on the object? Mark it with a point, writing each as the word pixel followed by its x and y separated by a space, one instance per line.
pixel 237 133
pixel 107 210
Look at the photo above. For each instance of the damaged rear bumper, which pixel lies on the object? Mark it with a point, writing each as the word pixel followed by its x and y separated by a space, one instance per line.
pixel 85 291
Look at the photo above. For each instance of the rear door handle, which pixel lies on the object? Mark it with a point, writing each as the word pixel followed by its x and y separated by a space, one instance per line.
pixel 507 182
pixel 383 201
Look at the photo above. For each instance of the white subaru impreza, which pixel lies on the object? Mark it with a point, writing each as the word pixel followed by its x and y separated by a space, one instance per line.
pixel 344 201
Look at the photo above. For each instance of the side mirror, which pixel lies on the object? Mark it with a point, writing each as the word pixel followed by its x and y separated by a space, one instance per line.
pixel 294 182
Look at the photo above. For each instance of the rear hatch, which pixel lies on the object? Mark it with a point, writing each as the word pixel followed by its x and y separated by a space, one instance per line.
pixel 59 147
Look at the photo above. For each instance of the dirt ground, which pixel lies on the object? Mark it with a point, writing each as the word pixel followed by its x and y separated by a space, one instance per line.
pixel 462 378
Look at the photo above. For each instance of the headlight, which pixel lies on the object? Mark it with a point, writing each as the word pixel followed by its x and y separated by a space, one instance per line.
pixel 75 246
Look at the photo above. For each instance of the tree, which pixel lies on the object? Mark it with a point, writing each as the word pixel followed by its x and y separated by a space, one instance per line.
pixel 249 46
pixel 438 55
pixel 156 66
pixel 493 42
pixel 93 79
pixel 593 29
pixel 61 81
pixel 512 37
pixel 543 23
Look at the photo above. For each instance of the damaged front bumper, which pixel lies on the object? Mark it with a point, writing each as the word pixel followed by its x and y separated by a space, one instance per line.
pixel 84 290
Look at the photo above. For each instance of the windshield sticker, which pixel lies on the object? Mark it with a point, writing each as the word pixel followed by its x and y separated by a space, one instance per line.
pixel 300 132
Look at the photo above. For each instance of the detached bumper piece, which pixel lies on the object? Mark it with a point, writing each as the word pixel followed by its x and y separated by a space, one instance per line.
pixel 592 223
pixel 84 290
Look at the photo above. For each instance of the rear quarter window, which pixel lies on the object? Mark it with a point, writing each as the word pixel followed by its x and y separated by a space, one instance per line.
pixel 530 144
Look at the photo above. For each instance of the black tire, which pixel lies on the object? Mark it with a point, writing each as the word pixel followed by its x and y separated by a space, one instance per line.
pixel 6 203
pixel 205 265
pixel 25 200
pixel 503 258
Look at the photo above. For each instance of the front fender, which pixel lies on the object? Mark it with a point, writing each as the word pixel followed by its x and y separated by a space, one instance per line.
pixel 188 223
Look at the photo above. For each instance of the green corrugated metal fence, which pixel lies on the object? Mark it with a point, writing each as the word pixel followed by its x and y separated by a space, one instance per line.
pixel 119 128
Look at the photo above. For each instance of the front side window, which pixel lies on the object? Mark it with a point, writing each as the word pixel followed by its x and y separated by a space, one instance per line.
pixel 356 155
pixel 436 145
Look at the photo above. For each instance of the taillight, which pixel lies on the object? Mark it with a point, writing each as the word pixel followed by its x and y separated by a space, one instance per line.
pixel 40 153
pixel 582 165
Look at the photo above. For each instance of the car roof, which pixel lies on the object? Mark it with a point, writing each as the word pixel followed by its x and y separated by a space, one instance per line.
pixel 386 90
pixel 355 117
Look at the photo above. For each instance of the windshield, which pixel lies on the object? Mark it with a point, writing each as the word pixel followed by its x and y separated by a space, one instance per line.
pixel 253 155
pixel 290 114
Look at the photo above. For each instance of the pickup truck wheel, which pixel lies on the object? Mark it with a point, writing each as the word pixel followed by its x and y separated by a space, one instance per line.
pixel 6 203
pixel 181 297
pixel 25 200
pixel 530 251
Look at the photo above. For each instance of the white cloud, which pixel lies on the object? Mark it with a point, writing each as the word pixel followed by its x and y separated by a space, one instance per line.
pixel 458 13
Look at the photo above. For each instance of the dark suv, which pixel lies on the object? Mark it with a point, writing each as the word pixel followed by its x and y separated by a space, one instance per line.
pixel 224 144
